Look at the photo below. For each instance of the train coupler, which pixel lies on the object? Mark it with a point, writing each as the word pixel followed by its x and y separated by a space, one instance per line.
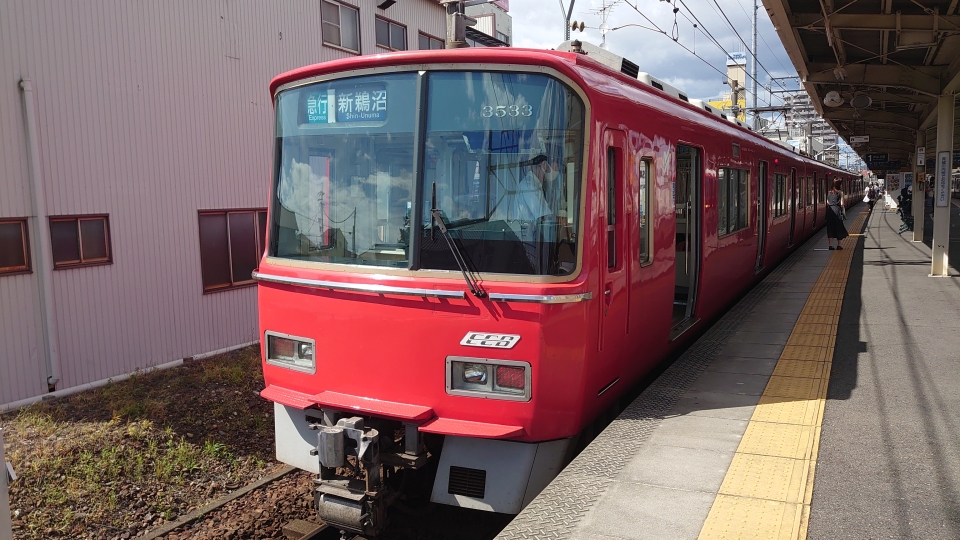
pixel 350 493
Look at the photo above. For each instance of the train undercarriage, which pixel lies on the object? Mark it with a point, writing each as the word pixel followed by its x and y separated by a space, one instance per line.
pixel 365 464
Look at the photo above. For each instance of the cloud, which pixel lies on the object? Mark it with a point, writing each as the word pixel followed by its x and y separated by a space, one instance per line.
pixel 539 24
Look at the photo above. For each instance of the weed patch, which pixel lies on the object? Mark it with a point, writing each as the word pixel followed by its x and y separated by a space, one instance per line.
pixel 123 458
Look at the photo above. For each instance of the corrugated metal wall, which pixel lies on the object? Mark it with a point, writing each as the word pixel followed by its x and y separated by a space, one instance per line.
pixel 148 112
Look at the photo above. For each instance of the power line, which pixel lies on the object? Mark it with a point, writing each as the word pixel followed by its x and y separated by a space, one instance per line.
pixel 734 28
pixel 717 43
pixel 764 40
pixel 660 30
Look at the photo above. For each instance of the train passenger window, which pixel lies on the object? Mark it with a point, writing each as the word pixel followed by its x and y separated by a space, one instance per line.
pixel 644 210
pixel 808 187
pixel 779 195
pixel 612 182
pixel 733 208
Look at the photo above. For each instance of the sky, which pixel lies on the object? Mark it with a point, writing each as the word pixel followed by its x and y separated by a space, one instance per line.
pixel 540 24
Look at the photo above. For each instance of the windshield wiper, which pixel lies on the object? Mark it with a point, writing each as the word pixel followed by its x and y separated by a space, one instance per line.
pixel 468 275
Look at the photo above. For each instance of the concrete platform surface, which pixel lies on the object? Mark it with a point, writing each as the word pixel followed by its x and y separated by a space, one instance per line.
pixel 836 416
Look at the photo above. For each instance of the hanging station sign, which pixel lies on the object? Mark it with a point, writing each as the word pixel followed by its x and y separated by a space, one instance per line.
pixel 859 139
pixel 876 158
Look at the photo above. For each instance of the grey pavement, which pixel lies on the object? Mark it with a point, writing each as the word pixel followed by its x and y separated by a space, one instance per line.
pixel 656 470
pixel 889 462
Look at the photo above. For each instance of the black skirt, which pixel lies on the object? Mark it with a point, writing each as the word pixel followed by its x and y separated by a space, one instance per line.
pixel 835 228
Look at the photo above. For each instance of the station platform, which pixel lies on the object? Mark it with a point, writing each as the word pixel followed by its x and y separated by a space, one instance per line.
pixel 823 405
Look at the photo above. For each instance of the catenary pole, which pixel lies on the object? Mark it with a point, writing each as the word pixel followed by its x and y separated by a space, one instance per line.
pixel 753 69
pixel 567 13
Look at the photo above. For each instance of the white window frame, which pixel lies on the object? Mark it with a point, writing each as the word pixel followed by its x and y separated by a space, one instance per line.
pixel 339 24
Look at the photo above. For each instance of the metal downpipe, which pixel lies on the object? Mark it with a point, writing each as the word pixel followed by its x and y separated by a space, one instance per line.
pixel 42 238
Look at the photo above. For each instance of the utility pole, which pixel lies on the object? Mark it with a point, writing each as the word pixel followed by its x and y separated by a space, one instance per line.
pixel 567 13
pixel 735 90
pixel 756 118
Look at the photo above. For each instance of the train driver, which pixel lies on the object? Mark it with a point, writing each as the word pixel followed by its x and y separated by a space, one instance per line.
pixel 537 194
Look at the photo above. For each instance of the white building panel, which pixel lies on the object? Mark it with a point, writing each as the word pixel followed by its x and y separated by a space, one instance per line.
pixel 148 112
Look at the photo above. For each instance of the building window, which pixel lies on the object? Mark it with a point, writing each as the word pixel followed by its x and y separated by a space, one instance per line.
pixel 732 206
pixel 231 243
pixel 646 236
pixel 14 247
pixel 341 25
pixel 80 241
pixel 779 195
pixel 391 35
pixel 430 42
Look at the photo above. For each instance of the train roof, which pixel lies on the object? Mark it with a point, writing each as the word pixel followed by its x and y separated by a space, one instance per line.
pixel 604 62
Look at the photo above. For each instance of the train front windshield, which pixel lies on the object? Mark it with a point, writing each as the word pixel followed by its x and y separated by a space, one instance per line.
pixel 500 156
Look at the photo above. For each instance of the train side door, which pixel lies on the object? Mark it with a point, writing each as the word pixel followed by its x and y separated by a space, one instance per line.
pixel 614 264
pixel 761 214
pixel 687 262
pixel 793 206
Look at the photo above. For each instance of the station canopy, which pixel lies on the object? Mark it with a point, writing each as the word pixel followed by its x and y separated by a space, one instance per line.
pixel 881 65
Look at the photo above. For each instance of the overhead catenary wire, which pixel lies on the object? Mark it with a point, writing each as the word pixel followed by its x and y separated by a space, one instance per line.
pixel 765 70
pixel 659 30
pixel 705 31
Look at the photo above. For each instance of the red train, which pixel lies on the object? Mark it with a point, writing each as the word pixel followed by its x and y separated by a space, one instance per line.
pixel 472 253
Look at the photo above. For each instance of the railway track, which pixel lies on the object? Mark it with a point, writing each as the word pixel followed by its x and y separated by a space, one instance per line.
pixel 281 506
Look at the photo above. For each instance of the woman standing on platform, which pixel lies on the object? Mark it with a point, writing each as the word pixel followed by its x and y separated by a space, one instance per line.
pixel 835 229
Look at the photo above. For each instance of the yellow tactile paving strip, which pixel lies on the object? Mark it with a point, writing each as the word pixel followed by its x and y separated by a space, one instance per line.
pixel 767 491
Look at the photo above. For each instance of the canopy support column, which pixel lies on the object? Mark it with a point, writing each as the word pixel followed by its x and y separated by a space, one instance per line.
pixel 941 186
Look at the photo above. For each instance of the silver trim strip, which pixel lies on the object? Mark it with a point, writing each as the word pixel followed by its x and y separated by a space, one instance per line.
pixel 357 287
pixel 542 298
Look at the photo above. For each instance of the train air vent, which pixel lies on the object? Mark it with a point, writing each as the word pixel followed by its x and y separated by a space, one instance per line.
pixel 467 482
pixel 629 68
pixel 656 85
pixel 708 108
pixel 723 116
pixel 684 97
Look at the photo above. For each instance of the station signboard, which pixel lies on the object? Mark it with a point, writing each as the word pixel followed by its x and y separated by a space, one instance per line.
pixel 942 189
pixel 876 158
pixel 859 139
pixel 921 152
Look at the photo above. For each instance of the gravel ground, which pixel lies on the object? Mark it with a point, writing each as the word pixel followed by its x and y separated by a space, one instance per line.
pixel 117 462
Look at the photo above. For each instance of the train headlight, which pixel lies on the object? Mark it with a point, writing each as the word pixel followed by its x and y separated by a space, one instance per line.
pixel 487 378
pixel 291 352
pixel 474 373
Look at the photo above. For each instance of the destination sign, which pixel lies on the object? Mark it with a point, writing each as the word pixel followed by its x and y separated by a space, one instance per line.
pixel 364 103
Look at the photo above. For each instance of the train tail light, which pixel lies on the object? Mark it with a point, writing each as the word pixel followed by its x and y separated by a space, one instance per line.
pixel 511 378
pixel 291 352
pixel 496 379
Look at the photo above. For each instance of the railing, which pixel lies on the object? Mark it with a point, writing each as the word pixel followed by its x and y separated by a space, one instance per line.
pixel 6 476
